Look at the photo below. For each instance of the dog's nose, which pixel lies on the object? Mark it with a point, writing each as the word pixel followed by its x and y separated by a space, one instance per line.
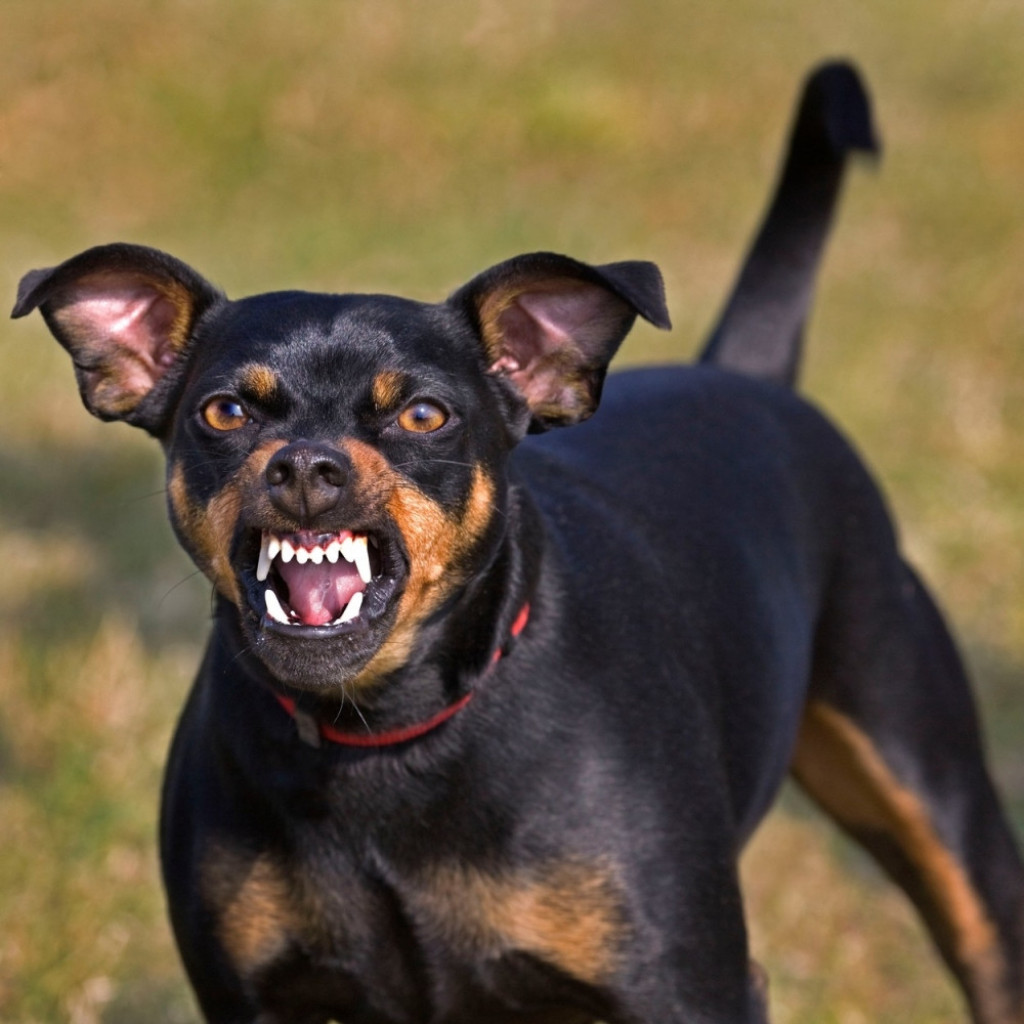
pixel 305 480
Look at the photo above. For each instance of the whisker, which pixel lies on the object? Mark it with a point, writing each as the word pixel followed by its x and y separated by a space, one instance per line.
pixel 436 462
pixel 181 582
pixel 138 498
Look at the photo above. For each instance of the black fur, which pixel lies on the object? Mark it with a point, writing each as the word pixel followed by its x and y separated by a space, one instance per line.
pixel 761 328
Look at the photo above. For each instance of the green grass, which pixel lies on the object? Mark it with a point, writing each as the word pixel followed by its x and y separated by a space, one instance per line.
pixel 403 146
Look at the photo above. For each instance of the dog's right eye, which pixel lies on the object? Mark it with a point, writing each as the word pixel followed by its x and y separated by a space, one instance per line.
pixel 224 413
pixel 422 418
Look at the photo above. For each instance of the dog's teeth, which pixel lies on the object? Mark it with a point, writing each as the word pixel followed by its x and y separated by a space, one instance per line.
pixel 287 551
pixel 274 609
pixel 273 548
pixel 301 556
pixel 348 549
pixel 362 559
pixel 263 565
pixel 333 552
pixel 353 608
pixel 317 555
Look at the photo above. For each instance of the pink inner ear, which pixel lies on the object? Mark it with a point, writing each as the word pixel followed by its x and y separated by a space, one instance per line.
pixel 130 326
pixel 523 340
pixel 565 314
pixel 576 319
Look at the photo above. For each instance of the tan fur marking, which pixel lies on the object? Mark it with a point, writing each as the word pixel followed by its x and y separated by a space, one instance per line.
pixel 479 506
pixel 491 309
pixel 388 387
pixel 259 381
pixel 209 528
pixel 181 299
pixel 111 395
pixel 253 906
pixel 841 768
pixel 436 541
pixel 570 915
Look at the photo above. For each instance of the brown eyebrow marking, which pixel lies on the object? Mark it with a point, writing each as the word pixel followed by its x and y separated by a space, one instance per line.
pixel 259 381
pixel 388 388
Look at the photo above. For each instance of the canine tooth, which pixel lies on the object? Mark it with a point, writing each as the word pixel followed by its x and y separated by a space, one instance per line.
pixel 362 559
pixel 333 551
pixel 353 608
pixel 287 551
pixel 274 609
pixel 263 565
pixel 317 555
pixel 273 548
pixel 348 549
pixel 301 556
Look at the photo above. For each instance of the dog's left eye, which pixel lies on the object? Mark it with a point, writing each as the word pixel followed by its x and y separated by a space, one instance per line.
pixel 422 417
pixel 224 413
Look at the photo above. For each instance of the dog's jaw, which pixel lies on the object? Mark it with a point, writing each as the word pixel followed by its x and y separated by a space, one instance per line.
pixel 317 606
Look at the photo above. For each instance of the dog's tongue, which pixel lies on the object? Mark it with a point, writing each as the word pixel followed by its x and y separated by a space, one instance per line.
pixel 318 594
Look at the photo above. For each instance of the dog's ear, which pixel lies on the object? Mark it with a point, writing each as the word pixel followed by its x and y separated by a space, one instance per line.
pixel 125 313
pixel 551 325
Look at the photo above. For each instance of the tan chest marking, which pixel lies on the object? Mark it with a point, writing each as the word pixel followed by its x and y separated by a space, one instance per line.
pixel 570 915
pixel 253 905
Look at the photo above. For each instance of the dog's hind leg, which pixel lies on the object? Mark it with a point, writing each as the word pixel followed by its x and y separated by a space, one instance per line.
pixel 890 748
pixel 760 330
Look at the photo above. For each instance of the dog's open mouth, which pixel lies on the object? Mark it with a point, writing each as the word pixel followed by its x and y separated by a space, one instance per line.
pixel 323 581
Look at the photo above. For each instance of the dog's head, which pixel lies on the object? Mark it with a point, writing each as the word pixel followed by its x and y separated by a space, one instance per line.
pixel 336 463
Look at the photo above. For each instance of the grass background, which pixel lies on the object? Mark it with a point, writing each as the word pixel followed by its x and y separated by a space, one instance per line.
pixel 402 146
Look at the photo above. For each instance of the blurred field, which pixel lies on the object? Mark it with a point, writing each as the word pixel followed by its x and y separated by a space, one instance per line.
pixel 403 146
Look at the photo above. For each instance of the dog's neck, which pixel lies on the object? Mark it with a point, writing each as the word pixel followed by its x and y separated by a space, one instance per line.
pixel 314 732
pixel 479 625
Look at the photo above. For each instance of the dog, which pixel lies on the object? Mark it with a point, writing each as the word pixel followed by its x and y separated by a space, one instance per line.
pixel 489 709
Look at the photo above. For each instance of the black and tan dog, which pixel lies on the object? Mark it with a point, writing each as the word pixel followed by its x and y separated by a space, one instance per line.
pixel 486 719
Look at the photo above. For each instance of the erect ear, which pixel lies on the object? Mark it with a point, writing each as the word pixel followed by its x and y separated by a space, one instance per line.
pixel 126 314
pixel 551 325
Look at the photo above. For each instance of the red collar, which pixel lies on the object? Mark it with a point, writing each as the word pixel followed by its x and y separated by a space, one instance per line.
pixel 312 731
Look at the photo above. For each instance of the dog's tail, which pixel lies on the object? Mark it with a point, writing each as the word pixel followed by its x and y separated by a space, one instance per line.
pixel 760 331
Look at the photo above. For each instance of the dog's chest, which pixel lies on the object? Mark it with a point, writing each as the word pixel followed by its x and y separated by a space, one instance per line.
pixel 447 942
